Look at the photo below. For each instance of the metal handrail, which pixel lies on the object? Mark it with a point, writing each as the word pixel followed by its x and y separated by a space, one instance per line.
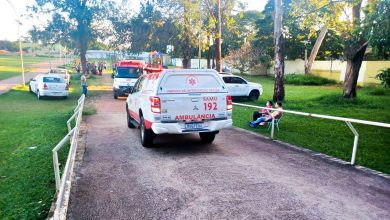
pixel 63 184
pixel 348 121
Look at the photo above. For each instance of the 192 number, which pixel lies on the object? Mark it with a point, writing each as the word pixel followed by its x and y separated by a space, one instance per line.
pixel 210 106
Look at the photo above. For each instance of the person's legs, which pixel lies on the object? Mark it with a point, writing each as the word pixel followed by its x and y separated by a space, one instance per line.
pixel 259 120
pixel 85 91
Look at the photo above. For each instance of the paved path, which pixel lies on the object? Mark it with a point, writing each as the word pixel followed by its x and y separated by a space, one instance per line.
pixel 8 84
pixel 239 176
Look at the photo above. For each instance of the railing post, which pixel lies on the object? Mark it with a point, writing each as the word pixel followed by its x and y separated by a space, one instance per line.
pixel 56 170
pixel 68 125
pixel 355 142
pixel 273 128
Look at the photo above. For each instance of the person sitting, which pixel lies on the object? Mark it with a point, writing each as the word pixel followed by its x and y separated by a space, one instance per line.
pixel 276 114
pixel 262 112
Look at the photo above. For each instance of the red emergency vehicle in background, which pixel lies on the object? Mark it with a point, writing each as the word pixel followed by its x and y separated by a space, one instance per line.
pixel 126 73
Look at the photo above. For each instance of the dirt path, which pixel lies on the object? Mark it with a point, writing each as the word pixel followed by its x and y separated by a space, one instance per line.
pixel 8 84
pixel 239 176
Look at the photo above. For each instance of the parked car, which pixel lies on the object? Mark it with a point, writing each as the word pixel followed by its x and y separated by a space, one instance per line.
pixel 49 85
pixel 178 102
pixel 239 87
pixel 125 75
pixel 61 72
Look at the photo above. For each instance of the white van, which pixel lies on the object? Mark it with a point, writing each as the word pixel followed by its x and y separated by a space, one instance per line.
pixel 177 102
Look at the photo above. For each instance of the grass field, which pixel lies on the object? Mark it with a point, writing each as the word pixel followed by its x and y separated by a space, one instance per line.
pixel 329 137
pixel 30 128
pixel 10 65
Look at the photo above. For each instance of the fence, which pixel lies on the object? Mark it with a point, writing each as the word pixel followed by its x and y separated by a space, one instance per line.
pixel 63 184
pixel 348 121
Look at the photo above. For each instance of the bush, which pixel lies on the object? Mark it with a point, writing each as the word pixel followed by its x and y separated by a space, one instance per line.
pixel 311 80
pixel 384 77
pixel 377 91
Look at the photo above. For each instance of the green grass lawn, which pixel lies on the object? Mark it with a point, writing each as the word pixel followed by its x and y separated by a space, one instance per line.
pixel 30 128
pixel 326 136
pixel 10 65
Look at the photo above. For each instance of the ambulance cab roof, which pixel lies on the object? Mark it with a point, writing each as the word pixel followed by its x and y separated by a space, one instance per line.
pixel 131 63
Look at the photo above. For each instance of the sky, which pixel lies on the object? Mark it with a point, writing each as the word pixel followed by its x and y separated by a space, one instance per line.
pixel 9 28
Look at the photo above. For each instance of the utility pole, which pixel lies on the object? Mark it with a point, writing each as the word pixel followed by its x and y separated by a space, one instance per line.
pixel 279 53
pixel 219 39
pixel 60 53
pixel 200 34
pixel 20 40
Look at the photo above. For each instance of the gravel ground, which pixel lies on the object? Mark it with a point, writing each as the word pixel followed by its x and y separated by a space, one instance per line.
pixel 239 176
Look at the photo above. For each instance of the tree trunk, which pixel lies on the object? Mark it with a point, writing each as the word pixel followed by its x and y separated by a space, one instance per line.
pixel 354 62
pixel 354 52
pixel 186 55
pixel 82 44
pixel 315 50
pixel 219 38
pixel 209 58
pixel 186 62
pixel 279 53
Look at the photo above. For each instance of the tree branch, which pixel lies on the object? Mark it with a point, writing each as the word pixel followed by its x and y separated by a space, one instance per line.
pixel 210 8
pixel 318 9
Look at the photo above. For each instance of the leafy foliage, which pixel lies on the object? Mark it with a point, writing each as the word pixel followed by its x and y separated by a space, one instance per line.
pixel 72 23
pixel 384 77
pixel 380 32
pixel 243 59
pixel 9 46
pixel 147 30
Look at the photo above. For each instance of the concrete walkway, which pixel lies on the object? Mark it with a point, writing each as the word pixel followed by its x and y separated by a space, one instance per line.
pixel 38 68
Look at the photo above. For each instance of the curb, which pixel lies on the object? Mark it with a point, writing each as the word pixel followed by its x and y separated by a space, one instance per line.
pixel 320 155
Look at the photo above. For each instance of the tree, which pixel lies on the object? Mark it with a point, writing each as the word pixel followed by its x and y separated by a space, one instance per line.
pixel 71 21
pixel 315 17
pixel 380 37
pixel 9 46
pixel 279 53
pixel 357 36
pixel 242 29
pixel 147 30
pixel 316 48
pixel 184 15
pixel 219 16
pixel 265 29
pixel 243 59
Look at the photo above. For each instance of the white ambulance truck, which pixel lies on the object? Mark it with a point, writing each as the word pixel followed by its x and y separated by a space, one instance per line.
pixel 178 102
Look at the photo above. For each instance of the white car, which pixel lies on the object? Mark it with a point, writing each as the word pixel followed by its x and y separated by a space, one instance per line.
pixel 178 102
pixel 49 85
pixel 239 87
pixel 60 72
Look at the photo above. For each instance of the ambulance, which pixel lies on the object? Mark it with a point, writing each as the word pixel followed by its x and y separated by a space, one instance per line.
pixel 125 75
pixel 179 102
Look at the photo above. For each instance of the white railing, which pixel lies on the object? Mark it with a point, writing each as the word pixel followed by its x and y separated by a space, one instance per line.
pixel 63 184
pixel 348 121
